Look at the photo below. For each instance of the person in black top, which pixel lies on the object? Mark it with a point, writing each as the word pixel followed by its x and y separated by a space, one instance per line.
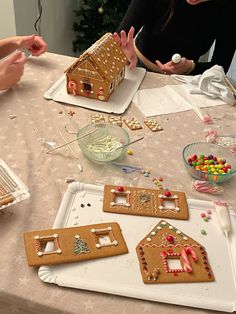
pixel 186 27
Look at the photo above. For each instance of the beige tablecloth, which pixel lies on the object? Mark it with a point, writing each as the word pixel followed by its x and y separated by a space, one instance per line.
pixel 37 120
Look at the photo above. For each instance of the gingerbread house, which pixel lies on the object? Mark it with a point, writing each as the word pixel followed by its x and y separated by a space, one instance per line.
pixel 167 255
pixel 98 71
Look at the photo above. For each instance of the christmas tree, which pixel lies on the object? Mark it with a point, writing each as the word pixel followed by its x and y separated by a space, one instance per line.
pixel 95 18
pixel 80 246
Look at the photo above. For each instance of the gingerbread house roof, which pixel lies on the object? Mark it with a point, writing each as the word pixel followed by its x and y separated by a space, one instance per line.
pixel 106 56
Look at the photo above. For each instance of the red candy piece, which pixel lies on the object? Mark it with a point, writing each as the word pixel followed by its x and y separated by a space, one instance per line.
pixel 170 238
pixel 120 189
pixel 167 193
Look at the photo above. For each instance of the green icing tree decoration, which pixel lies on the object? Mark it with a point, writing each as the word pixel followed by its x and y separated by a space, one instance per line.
pixel 94 18
pixel 80 246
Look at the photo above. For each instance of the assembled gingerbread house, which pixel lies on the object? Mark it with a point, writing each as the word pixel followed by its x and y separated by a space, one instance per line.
pixel 167 255
pixel 98 71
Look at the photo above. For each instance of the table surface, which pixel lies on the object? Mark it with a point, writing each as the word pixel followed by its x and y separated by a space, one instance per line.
pixel 21 138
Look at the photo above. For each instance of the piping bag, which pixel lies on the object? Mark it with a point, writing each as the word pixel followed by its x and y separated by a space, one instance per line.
pixel 222 212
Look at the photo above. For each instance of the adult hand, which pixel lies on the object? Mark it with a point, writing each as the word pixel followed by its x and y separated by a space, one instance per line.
pixel 11 69
pixel 185 66
pixel 35 44
pixel 127 44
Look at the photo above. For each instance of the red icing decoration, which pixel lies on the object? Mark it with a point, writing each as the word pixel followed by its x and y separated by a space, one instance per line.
pixel 167 193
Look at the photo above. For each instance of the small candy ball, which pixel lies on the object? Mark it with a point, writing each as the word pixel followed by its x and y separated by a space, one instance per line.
pixel 120 189
pixel 130 152
pixel 176 58
pixel 170 238
pixel 167 193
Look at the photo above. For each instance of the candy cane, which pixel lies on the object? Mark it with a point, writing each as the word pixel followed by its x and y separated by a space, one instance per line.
pixel 187 266
pixel 73 85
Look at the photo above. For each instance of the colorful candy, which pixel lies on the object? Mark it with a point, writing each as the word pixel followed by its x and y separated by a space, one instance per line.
pixel 210 164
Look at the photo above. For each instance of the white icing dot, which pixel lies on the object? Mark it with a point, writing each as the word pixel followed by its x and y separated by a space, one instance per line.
pixel 185 238
pixel 109 228
pixel 170 227
pixel 153 233
pixel 177 209
pixel 159 228
pixel 112 191
pixel 59 251
pixel 98 246
pixel 178 232
pixel 40 253
pixel 149 239
pixel 36 237
pixel 115 242
pixel 93 230
pixel 55 235
pixel 163 223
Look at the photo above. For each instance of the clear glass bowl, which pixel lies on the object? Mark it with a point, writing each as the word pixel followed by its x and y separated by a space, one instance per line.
pixel 100 142
pixel 209 149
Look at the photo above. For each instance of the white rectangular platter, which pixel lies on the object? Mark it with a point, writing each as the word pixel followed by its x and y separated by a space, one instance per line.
pixel 120 275
pixel 118 102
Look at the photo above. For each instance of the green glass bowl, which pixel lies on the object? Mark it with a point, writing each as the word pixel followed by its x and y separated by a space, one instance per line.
pixel 100 142
pixel 209 149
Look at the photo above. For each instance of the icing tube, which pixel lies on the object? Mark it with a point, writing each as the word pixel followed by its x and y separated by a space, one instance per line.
pixel 223 216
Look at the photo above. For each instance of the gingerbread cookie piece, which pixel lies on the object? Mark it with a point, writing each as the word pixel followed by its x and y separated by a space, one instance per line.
pixel 133 124
pixel 115 120
pixel 167 255
pixel 153 125
pixel 58 246
pixel 145 202
pixel 97 118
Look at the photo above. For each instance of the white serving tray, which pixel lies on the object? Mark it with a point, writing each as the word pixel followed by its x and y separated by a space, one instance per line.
pixel 120 275
pixel 118 102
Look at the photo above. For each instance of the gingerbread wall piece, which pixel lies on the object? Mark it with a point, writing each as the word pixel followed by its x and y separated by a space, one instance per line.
pixel 153 125
pixel 58 246
pixel 166 255
pixel 116 120
pixel 98 71
pixel 133 124
pixel 145 202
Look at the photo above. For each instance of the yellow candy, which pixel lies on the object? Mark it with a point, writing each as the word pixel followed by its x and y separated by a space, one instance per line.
pixel 130 152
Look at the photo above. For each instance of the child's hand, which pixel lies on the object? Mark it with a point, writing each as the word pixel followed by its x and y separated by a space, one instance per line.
pixel 11 69
pixel 35 44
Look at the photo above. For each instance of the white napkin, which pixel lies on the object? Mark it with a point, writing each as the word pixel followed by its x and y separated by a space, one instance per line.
pixel 170 99
pixel 210 83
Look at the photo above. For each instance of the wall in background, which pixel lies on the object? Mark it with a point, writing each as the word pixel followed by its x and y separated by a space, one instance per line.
pixel 7 19
pixel 17 17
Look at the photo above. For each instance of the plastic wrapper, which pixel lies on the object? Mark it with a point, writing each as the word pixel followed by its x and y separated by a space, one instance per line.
pixel 12 189
pixel 207 187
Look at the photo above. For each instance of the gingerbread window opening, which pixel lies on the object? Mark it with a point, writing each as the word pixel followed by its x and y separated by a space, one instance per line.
pixel 87 87
pixel 46 245
pixel 120 198
pixel 104 237
pixel 169 203
pixel 174 263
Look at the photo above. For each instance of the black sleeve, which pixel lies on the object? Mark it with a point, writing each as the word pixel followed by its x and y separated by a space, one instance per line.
pixel 136 15
pixel 225 43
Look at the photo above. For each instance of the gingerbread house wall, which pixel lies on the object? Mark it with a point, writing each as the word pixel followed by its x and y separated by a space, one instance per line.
pixel 85 80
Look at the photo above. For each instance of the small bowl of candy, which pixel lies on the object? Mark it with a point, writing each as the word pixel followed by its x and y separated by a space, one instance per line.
pixel 103 142
pixel 209 162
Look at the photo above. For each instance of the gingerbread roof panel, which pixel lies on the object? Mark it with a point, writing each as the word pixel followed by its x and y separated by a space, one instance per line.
pixel 107 56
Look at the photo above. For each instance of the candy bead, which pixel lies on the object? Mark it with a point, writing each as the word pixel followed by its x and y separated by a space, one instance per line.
pixel 130 152
pixel 120 189
pixel 170 238
pixel 167 193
